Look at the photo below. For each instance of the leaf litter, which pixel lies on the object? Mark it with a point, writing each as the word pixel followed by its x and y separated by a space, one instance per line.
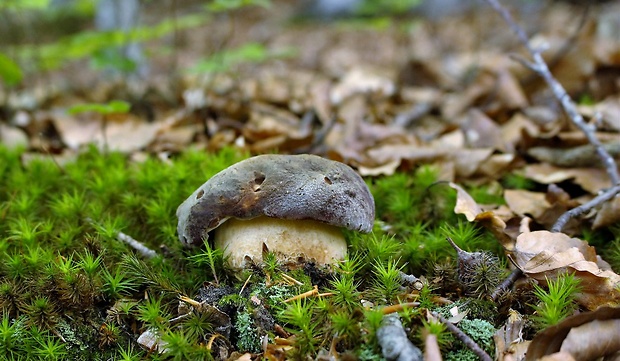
pixel 443 93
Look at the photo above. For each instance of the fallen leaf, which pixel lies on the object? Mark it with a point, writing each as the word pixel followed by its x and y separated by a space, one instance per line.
pixel 590 179
pixel 363 80
pixel 551 340
pixel 481 131
pixel 465 204
pixel 509 343
pixel 386 169
pixel 608 214
pixel 543 255
pixel 526 203
pixel 593 340
pixel 509 90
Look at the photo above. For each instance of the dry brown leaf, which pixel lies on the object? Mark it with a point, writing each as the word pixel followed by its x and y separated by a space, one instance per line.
pixel 465 204
pixel 590 179
pixel 386 169
pixel 609 110
pixel 512 131
pixel 481 131
pixel 580 156
pixel 363 80
pixel 558 356
pixel 543 255
pixel 123 132
pixel 390 152
pixel 456 104
pixel 454 139
pixel 608 215
pixel 319 99
pixel 526 203
pixel 509 343
pixel 468 161
pixel 509 90
pixel 593 339
pixel 551 340
pixel 496 165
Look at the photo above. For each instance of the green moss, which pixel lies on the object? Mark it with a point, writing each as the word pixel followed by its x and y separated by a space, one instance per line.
pixel 63 270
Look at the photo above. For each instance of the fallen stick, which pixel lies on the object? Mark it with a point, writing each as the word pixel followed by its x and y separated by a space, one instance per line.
pixel 394 342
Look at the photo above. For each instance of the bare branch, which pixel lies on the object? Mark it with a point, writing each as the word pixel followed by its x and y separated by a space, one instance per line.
pixel 141 248
pixel 596 201
pixel 506 283
pixel 540 67
pixel 394 342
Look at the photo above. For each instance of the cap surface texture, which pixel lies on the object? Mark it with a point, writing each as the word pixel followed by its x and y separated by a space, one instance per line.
pixel 293 187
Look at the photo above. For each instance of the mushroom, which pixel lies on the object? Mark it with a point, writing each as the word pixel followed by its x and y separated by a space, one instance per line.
pixel 292 205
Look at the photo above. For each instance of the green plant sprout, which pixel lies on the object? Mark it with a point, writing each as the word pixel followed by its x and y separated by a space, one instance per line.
pixel 557 301
pixel 226 60
pixel 10 73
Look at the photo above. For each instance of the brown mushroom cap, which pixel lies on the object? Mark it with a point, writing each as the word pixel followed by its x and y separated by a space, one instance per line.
pixel 293 187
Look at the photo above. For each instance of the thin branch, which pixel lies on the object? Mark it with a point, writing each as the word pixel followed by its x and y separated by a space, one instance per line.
pixel 394 342
pixel 540 67
pixel 603 197
pixel 142 249
pixel 507 283
pixel 462 336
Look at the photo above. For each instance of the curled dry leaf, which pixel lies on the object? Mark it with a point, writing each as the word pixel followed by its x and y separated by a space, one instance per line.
pixel 466 205
pixel 590 179
pixel 593 340
pixel 524 202
pixel 585 336
pixel 543 256
pixel 508 339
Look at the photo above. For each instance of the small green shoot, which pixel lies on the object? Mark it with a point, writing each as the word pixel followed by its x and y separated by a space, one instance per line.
pixel 557 301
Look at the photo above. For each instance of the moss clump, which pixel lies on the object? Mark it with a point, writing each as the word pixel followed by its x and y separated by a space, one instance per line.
pixel 64 272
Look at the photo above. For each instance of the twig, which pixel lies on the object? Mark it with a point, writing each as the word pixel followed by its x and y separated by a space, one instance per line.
pixel 512 277
pixel 603 197
pixel 142 249
pixel 540 67
pixel 313 292
pixel 399 307
pixel 431 348
pixel 245 284
pixel 463 338
pixel 291 280
pixel 394 342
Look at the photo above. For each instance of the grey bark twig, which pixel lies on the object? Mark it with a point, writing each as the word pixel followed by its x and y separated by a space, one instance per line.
pixel 394 342
pixel 539 66
pixel 142 249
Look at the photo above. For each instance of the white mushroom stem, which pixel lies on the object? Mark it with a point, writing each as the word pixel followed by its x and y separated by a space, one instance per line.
pixel 289 240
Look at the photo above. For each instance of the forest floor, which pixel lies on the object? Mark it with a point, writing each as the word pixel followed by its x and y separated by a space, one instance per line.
pixel 412 103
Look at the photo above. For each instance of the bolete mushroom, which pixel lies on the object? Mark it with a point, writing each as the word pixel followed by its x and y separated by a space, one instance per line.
pixel 292 205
